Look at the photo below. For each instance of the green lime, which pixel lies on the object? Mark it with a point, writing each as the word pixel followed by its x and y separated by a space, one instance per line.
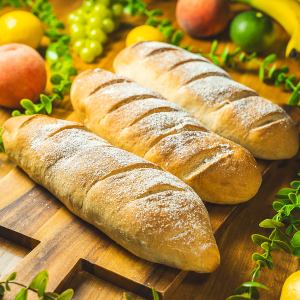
pixel 252 31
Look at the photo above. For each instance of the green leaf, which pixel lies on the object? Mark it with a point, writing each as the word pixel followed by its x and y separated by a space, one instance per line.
pixel 177 37
pixel 225 56
pixel 269 223
pixel 2 290
pixel 27 104
pixel 259 239
pixel 11 277
pixel 293 198
pixel 127 296
pixel 294 98
pixel 39 282
pixel 295 184
pixel 261 72
pixel 214 47
pixel 295 241
pixel 239 297
pixel 155 294
pixel 260 258
pixel 285 192
pixel 288 209
pixel 257 256
pixel 22 294
pixel 255 284
pixel 56 78
pixel 16 113
pixel 277 205
pixel 270 59
pixel 66 295
pixel 265 246
pixel 282 245
pixel 50 296
pixel 296 252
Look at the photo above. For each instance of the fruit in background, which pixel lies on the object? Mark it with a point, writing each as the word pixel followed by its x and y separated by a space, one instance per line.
pixel 252 31
pixel 291 287
pixel 22 74
pixel 202 18
pixel 287 14
pixel 21 27
pixel 144 33
pixel 90 25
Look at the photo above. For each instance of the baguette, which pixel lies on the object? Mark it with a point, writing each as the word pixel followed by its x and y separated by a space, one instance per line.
pixel 144 209
pixel 221 104
pixel 141 121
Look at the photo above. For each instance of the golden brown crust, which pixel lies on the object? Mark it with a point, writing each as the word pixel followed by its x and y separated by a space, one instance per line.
pixel 146 210
pixel 142 122
pixel 221 104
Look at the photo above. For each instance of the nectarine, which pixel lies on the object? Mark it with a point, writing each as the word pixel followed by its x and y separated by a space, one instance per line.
pixel 202 18
pixel 22 74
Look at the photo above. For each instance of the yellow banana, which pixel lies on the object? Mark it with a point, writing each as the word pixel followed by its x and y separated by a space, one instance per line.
pixel 287 14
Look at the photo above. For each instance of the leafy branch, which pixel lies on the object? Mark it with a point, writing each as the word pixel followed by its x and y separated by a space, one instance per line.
pixel 284 235
pixel 153 18
pixel 38 286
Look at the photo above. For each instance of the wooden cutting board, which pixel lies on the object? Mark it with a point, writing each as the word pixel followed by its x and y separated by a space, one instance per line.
pixel 37 232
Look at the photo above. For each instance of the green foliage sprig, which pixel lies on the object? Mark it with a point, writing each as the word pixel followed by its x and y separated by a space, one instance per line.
pixel 227 58
pixel 153 18
pixel 279 76
pixel 38 286
pixel 284 235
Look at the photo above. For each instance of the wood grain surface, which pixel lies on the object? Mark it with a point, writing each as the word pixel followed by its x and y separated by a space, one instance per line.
pixel 37 232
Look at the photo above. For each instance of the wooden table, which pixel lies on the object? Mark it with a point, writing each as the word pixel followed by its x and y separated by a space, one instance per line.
pixel 233 238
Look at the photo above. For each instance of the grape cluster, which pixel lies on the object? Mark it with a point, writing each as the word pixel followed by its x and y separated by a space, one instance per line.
pixel 90 24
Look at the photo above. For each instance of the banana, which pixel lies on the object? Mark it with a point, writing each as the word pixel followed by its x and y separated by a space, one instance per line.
pixel 287 14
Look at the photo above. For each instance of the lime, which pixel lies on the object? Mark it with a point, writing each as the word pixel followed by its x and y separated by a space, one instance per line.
pixel 144 33
pixel 252 31
pixel 21 27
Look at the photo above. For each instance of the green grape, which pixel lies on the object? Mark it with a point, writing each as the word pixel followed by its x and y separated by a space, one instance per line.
pixel 87 55
pixel 95 47
pixel 79 12
pixel 94 22
pixel 78 45
pixel 108 25
pixel 98 35
pixel 87 6
pixel 77 31
pixel 104 2
pixel 117 10
pixel 100 11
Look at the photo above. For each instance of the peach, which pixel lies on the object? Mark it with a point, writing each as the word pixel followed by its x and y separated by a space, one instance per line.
pixel 22 74
pixel 203 18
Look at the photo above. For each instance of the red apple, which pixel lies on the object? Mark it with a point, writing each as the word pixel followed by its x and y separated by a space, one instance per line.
pixel 203 18
pixel 22 74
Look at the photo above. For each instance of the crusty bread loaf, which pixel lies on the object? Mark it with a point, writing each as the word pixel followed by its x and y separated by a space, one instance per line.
pixel 146 210
pixel 221 104
pixel 141 121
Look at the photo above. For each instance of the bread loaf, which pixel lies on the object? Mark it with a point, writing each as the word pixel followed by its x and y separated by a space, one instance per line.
pixel 221 104
pixel 146 210
pixel 141 121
